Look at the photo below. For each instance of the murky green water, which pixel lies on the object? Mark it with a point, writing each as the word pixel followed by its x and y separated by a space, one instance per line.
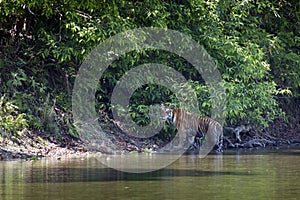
pixel 258 175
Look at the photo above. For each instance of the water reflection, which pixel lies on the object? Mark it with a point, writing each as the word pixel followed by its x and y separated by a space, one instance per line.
pixel 267 175
pixel 91 170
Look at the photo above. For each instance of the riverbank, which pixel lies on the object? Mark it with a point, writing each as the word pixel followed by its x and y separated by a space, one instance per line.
pixel 35 145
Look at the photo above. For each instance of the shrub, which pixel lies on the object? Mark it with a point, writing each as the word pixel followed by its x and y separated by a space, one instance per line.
pixel 11 121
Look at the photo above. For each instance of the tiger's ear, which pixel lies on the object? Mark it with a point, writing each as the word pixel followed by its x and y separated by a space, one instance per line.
pixel 172 107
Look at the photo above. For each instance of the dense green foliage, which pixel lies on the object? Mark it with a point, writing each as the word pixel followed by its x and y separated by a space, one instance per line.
pixel 11 122
pixel 255 45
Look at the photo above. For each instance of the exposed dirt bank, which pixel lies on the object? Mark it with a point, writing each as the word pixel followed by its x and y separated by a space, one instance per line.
pixel 38 145
pixel 34 145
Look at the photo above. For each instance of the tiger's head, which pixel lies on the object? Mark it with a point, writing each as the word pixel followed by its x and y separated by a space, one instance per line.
pixel 166 112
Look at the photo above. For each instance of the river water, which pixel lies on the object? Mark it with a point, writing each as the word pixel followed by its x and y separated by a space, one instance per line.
pixel 271 174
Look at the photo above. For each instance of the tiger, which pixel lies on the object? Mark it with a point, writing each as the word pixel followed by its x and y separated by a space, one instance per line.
pixel 189 125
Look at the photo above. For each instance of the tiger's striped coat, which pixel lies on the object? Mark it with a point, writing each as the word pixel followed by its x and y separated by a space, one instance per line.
pixel 188 125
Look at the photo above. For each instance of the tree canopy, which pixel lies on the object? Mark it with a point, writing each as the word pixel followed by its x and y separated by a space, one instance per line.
pixel 255 44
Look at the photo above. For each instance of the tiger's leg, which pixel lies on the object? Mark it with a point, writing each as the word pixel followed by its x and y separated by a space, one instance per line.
pixel 215 136
pixel 220 145
pixel 219 139
pixel 181 138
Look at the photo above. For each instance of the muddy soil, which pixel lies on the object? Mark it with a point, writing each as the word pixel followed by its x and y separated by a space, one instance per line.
pixel 37 145
pixel 34 145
